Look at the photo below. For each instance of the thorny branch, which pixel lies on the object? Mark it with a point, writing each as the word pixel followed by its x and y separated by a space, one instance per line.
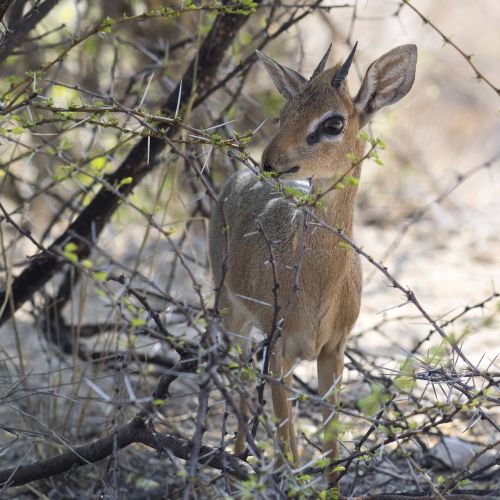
pixel 396 408
pixel 447 40
pixel 137 164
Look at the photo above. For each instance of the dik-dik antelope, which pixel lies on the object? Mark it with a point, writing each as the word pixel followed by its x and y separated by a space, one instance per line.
pixel 316 281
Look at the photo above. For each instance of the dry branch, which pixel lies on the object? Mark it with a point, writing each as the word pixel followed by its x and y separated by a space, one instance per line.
pixel 139 430
pixel 446 39
pixel 18 33
pixel 136 431
pixel 4 5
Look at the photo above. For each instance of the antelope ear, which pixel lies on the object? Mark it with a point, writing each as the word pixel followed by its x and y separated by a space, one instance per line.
pixel 287 81
pixel 387 80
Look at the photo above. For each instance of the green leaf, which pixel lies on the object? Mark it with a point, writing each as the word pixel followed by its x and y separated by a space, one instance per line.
pixel 245 38
pixel 87 263
pixel 107 24
pixel 97 164
pixel 353 158
pixel 62 172
pixel 364 136
pixel 125 181
pixel 69 252
pixel 72 257
pixel 100 276
pixel 404 383
pixel 371 403
pixel 322 463
pixel 345 245
pixel 71 247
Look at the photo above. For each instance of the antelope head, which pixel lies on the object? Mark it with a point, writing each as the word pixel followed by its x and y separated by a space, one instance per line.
pixel 320 122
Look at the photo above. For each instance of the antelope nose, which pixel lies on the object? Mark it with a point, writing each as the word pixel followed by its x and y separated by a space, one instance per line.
pixel 267 167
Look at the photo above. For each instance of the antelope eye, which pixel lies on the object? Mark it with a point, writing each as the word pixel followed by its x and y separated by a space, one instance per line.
pixel 333 125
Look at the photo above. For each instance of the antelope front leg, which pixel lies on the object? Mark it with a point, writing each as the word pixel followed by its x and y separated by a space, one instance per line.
pixel 240 443
pixel 282 407
pixel 330 367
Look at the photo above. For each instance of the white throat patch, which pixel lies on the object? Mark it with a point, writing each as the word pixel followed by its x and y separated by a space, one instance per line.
pixel 304 185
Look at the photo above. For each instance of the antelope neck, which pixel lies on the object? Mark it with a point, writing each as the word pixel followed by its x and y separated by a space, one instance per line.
pixel 339 209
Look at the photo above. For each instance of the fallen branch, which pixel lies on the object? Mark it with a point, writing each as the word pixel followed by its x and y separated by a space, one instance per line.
pixel 137 431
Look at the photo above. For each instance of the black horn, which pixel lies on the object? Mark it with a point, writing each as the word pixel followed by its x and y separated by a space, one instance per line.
pixel 321 66
pixel 342 72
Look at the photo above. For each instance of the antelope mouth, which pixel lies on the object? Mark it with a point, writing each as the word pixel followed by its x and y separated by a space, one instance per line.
pixel 292 170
